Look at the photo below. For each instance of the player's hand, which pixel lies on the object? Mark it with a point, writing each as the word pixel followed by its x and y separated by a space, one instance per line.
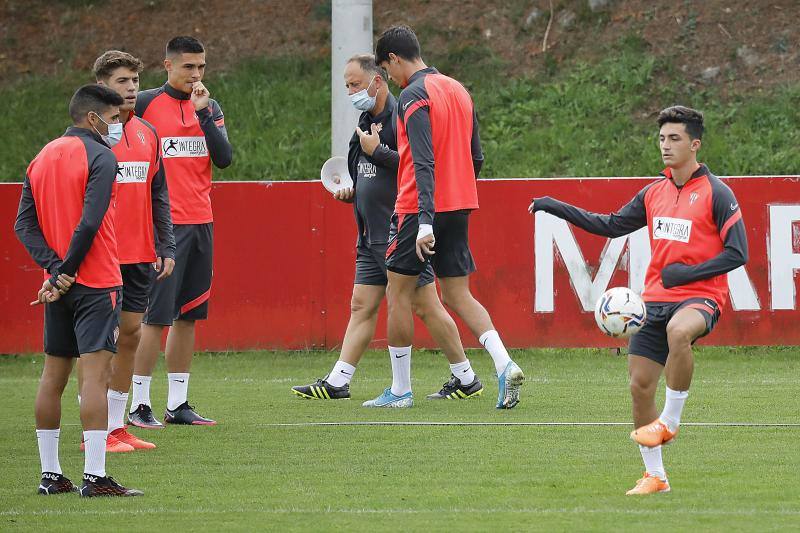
pixel 47 294
pixel 199 96
pixel 345 195
pixel 164 266
pixel 64 282
pixel 369 141
pixel 537 204
pixel 425 246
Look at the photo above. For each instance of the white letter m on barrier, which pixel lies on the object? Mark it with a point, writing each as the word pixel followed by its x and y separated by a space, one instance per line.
pixel 552 232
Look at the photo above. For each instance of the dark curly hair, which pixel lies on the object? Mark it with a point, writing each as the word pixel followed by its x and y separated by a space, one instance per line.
pixel 692 119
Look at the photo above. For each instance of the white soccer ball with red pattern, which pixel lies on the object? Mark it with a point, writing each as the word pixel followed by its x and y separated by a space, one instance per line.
pixel 620 312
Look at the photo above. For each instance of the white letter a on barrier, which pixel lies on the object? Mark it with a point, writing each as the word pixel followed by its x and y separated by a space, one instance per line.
pixel 782 259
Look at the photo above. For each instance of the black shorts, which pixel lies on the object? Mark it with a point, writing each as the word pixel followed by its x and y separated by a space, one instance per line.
pixel 651 340
pixel 371 267
pixel 453 257
pixel 82 321
pixel 136 280
pixel 184 295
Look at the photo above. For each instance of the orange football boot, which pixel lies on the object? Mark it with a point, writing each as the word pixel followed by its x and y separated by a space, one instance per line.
pixel 653 434
pixel 122 435
pixel 113 445
pixel 649 485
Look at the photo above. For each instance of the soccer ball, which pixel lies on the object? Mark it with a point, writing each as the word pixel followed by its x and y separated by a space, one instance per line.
pixel 620 312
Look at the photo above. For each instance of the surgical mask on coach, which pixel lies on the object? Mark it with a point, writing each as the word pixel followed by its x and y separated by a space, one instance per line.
pixel 114 132
pixel 362 100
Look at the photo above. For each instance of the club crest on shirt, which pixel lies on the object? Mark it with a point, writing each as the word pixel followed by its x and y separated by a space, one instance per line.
pixel 672 229
pixel 141 136
pixel 693 198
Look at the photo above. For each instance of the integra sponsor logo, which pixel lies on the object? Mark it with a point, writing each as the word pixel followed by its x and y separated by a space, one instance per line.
pixel 367 169
pixel 672 229
pixel 184 147
pixel 132 171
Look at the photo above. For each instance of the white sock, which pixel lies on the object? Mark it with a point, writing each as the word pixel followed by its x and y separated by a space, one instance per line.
pixel 491 341
pixel 401 369
pixel 341 374
pixel 141 392
pixel 653 462
pixel 463 371
pixel 117 401
pixel 79 400
pixel 95 455
pixel 178 389
pixel 673 407
pixel 48 450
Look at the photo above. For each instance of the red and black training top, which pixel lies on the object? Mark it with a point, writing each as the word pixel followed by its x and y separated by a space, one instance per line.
pixel 142 196
pixel 439 147
pixel 190 141
pixel 66 212
pixel 697 234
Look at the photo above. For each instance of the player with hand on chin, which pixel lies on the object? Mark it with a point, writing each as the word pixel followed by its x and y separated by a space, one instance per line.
pixel 191 127
pixel 697 235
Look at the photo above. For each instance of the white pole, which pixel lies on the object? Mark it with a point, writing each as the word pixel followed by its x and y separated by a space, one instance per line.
pixel 351 34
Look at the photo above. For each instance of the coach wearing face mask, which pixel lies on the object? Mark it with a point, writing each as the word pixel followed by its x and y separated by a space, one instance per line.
pixel 372 157
pixel 372 162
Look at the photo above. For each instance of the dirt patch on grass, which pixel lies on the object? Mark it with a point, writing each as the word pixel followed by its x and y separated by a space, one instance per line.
pixel 753 43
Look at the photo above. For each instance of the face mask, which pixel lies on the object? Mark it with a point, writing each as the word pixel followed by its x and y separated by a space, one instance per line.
pixel 362 100
pixel 114 132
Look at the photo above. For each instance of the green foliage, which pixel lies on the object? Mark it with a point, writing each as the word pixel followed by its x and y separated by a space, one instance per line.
pixel 249 474
pixel 278 116
pixel 599 120
pixel 571 119
pixel 277 113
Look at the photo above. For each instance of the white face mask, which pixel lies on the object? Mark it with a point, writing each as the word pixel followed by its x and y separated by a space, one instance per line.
pixel 114 132
pixel 362 100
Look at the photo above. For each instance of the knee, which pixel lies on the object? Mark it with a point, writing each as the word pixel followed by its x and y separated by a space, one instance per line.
pixel 360 307
pixel 642 389
pixel 53 385
pixel 95 380
pixel 130 335
pixel 679 335
pixel 105 374
pixel 451 298
pixel 445 297
pixel 398 299
pixel 421 310
pixel 455 298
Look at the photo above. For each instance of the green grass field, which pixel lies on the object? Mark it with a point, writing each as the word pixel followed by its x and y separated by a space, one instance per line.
pixel 250 473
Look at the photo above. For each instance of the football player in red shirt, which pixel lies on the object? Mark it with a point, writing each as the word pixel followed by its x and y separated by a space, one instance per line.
pixel 440 158
pixel 191 128
pixel 697 235
pixel 66 223
pixel 142 205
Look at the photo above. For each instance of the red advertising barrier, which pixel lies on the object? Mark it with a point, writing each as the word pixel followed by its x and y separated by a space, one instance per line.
pixel 284 258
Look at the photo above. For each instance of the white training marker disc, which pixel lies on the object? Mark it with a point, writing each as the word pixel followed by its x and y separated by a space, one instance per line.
pixel 335 175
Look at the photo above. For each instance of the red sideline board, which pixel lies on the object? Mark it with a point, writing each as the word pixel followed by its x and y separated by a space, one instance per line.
pixel 283 266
